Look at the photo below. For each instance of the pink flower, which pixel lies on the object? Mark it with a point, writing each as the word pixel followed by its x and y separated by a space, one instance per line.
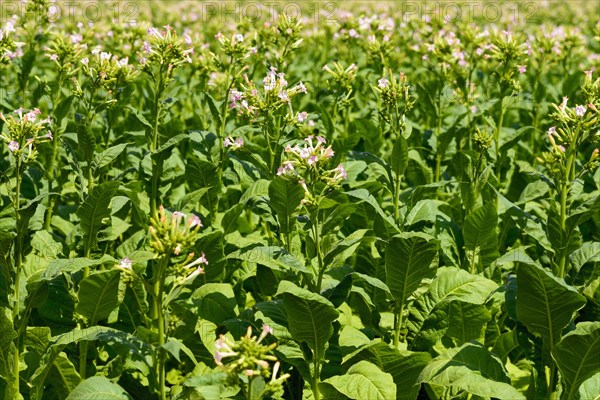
pixel 302 116
pixel 552 130
pixel 522 69
pixel 126 263
pixel 312 160
pixel 383 83
pixel 85 61
pixel 13 146
pixel 195 221
pixel 580 110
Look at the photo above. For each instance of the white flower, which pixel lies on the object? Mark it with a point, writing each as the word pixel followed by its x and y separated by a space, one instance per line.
pixel 13 146
pixel 383 83
pixel 126 263
pixel 85 61
pixel 580 110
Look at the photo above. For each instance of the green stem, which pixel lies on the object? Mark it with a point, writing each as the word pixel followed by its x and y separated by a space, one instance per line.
pixel 159 287
pixel 497 138
pixel 18 262
pixel 316 380
pixel 398 325
pixel 83 345
pixel 564 192
pixel 316 235
pixel 154 144
pixel 438 132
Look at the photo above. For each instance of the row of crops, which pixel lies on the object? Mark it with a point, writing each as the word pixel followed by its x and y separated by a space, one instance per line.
pixel 299 200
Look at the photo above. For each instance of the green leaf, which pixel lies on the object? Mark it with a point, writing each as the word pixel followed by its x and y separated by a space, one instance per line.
pixel 577 356
pixel 590 388
pixel 63 376
pixel 481 238
pixel 404 366
pixel 545 304
pixel 399 160
pixel 215 302
pixel 94 209
pixel 128 346
pixel 98 388
pixel 276 258
pixel 98 296
pixel 588 252
pixel 473 369
pixel 310 316
pixel 466 322
pixel 109 155
pixel 7 349
pixel 72 265
pixel 428 316
pixel 408 260
pixel 285 196
pixel 364 381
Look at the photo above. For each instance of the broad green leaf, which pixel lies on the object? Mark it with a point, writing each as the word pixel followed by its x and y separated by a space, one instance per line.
pixel 545 304
pixel 590 388
pixel 399 160
pixel 404 366
pixel 94 209
pixel 364 381
pixel 424 210
pixel 63 376
pixel 408 260
pixel 472 368
pixel 285 196
pixel 466 322
pixel 99 388
pixel 109 155
pixel 310 316
pixel 7 349
pixel 428 316
pixel 128 346
pixel 577 356
pixel 215 302
pixel 98 295
pixel 343 249
pixel 588 252
pixel 72 265
pixel 481 238
pixel 276 258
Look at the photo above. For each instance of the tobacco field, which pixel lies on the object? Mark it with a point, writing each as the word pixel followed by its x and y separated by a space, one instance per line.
pixel 349 200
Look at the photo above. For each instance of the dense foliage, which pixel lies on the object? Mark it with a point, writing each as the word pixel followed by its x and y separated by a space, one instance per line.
pixel 305 203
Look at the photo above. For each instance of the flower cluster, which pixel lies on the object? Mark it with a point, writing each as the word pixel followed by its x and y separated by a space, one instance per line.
pixel 25 133
pixel 311 158
pixel 343 77
pixel 174 235
pixel 66 53
pixel 249 359
pixel 251 101
pixel 311 155
pixel 107 71
pixel 9 49
pixel 234 144
pixel 164 48
pixel 235 46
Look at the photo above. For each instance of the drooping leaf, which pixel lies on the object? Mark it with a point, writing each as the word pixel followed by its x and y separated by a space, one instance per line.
pixel 428 316
pixel 363 381
pixel 404 366
pixel 285 196
pixel 94 209
pixel 578 357
pixel 98 295
pixel 545 304
pixel 99 388
pixel 276 258
pixel 481 238
pixel 309 316
pixel 408 260
pixel 472 368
